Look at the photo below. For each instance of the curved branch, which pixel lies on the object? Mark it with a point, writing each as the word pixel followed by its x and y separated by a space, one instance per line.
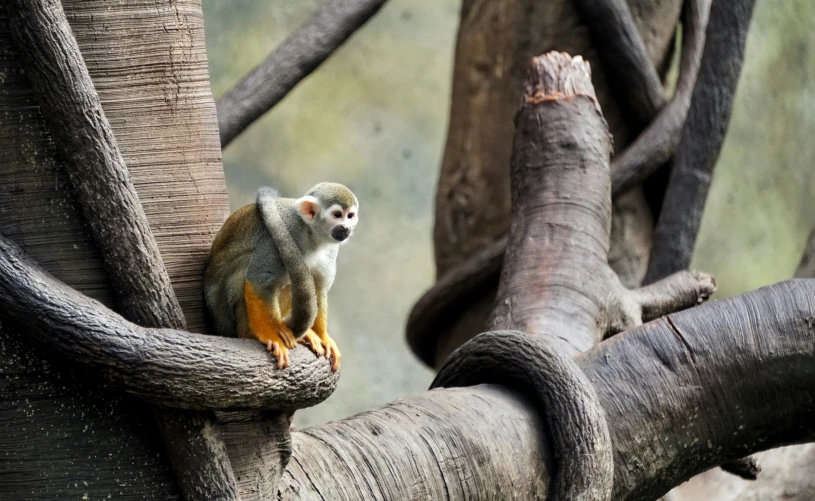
pixel 451 294
pixel 702 138
pixel 625 59
pixel 164 366
pixel 713 383
pixel 657 143
pixel 300 54
pixel 560 392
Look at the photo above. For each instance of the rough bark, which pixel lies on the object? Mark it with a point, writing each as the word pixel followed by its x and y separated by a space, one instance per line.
pixel 715 382
pixel 655 145
pixel 702 138
pixel 306 49
pixel 561 214
pixel 785 472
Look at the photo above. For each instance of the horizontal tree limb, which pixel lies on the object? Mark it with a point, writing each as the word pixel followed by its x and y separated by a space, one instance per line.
pixel 163 366
pixel 300 54
pixel 681 395
pixel 656 144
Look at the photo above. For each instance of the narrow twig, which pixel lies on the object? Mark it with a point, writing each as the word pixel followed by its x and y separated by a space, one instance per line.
pixel 625 59
pixel 702 138
pixel 300 54
pixel 746 468
pixel 806 268
pixel 657 143
pixel 99 178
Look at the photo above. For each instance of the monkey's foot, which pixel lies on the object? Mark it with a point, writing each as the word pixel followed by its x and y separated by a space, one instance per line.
pixel 313 341
pixel 279 350
pixel 331 351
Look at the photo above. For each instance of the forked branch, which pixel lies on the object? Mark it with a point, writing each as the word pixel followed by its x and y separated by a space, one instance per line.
pixel 300 54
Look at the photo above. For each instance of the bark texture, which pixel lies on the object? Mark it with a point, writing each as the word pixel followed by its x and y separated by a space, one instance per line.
pixel 306 49
pixel 495 42
pixel 702 138
pixel 561 216
pixel 99 178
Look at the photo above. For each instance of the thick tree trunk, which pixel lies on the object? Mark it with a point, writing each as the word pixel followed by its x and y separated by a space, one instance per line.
pixel 149 66
pixel 495 42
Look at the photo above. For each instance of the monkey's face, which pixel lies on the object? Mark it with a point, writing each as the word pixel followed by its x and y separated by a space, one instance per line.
pixel 338 222
pixel 331 210
pixel 334 223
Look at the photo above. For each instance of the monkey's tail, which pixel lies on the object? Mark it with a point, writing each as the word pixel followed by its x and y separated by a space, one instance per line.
pixel 303 292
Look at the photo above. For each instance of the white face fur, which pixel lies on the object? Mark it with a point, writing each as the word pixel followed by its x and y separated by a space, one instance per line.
pixel 334 223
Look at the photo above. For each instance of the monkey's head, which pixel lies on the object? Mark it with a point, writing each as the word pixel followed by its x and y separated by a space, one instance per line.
pixel 331 210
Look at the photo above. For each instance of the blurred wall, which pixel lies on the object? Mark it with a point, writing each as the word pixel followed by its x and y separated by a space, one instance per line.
pixel 375 115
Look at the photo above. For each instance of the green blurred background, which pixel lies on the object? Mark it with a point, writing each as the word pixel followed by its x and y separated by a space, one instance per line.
pixel 374 117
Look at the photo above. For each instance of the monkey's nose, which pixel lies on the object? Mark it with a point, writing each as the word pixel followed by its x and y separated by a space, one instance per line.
pixel 340 233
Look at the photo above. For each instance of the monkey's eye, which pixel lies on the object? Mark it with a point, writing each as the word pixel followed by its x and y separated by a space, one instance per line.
pixel 350 215
pixel 337 214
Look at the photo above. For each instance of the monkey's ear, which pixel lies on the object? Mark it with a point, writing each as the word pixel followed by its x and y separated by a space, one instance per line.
pixel 308 207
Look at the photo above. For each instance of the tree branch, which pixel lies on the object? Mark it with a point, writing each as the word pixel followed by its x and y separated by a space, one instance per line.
pixel 164 366
pixel 702 138
pixel 311 44
pixel 656 144
pixel 713 383
pixel 632 75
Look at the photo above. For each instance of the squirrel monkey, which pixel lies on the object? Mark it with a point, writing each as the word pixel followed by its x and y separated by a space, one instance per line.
pixel 272 264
